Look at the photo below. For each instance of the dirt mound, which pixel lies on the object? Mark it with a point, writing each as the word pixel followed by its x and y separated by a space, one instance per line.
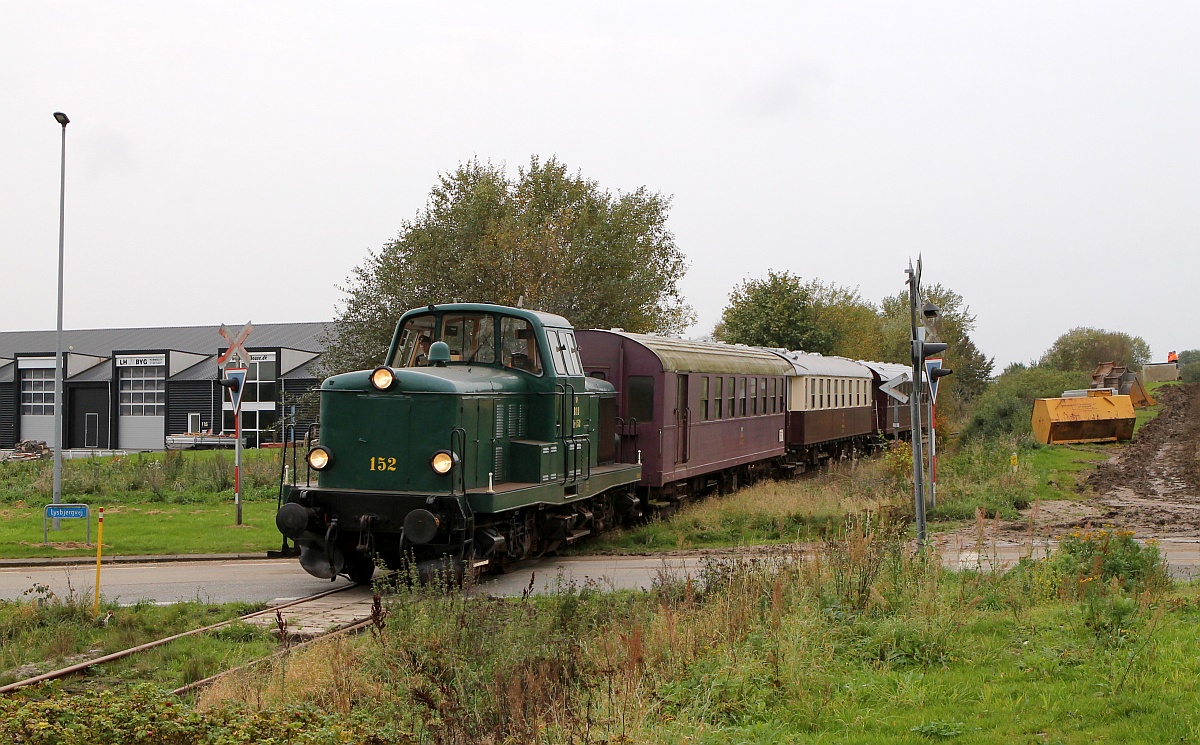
pixel 1153 485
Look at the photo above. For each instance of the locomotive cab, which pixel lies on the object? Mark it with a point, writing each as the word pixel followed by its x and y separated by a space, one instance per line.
pixel 474 443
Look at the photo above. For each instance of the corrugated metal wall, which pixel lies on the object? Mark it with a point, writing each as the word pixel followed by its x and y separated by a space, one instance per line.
pixel 189 396
pixel 8 423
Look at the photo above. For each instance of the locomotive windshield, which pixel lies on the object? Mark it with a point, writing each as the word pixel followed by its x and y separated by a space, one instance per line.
pixel 472 340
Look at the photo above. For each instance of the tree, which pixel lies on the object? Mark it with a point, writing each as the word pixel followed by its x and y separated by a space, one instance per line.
pixel 1188 356
pixel 954 324
pixel 778 311
pixel 1084 348
pixel 548 240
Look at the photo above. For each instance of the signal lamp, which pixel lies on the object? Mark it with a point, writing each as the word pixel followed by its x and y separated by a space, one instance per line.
pixel 443 461
pixel 383 377
pixel 319 458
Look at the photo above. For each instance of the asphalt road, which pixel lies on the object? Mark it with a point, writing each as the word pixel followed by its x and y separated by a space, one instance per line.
pixel 262 580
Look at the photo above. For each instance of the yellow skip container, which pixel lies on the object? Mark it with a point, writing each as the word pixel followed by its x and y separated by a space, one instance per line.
pixel 1099 416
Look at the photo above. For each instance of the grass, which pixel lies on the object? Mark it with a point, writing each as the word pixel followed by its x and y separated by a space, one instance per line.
pixel 146 528
pixel 154 503
pixel 769 512
pixel 864 643
pixel 44 632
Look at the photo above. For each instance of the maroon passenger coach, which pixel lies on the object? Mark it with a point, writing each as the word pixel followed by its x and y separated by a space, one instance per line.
pixel 692 412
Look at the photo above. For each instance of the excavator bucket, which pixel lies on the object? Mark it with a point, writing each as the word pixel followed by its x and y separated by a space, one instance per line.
pixel 1098 417
pixel 1138 393
pixel 1122 380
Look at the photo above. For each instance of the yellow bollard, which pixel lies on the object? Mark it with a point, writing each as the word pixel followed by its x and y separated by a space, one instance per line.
pixel 99 548
pixel 1013 462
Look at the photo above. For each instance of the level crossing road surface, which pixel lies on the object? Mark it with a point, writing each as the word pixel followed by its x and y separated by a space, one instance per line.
pixel 264 580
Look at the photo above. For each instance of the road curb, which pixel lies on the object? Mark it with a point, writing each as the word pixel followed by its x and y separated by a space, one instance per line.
pixel 154 559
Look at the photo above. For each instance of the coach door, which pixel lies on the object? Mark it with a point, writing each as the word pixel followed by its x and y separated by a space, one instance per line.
pixel 682 417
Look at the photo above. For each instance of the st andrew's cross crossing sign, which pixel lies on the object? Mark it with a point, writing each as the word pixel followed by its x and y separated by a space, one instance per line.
pixel 237 349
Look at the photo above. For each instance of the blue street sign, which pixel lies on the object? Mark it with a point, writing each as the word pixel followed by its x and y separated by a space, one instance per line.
pixel 66 511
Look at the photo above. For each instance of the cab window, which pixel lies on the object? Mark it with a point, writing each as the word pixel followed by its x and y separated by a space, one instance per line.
pixel 470 336
pixel 415 338
pixel 518 346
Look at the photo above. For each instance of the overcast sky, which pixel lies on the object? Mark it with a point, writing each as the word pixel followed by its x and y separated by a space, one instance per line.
pixel 235 161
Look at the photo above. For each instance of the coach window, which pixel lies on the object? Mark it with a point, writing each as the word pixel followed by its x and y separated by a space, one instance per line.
pixel 719 396
pixel 732 398
pixel 774 391
pixel 641 397
pixel 762 395
pixel 704 399
pixel 753 397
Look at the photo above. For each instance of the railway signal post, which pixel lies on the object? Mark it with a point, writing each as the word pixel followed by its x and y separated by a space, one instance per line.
pixel 921 350
pixel 234 378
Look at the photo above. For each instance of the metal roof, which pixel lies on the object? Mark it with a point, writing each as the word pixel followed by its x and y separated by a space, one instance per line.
pixel 198 339
pixel 95 374
pixel 805 363
pixel 678 355
pixel 888 370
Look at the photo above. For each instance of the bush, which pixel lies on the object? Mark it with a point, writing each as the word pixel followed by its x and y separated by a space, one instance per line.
pixel 1190 373
pixel 1006 407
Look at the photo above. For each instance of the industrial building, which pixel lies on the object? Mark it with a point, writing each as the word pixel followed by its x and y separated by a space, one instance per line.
pixel 129 389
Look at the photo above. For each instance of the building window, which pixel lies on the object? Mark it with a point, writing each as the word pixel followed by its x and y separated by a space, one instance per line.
pixel 142 390
pixel 37 391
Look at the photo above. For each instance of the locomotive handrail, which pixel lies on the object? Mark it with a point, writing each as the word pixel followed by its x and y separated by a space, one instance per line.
pixel 460 434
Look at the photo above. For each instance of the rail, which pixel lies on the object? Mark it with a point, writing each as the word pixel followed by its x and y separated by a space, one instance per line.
pixel 70 669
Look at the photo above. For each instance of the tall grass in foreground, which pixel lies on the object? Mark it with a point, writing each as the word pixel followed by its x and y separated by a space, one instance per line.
pixel 861 642
pixel 170 476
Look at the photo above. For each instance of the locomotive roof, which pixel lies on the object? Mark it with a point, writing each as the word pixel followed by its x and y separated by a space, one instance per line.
pixel 537 316
pixel 805 363
pixel 678 355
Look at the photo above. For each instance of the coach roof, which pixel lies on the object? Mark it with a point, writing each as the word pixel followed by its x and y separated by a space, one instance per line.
pixel 678 355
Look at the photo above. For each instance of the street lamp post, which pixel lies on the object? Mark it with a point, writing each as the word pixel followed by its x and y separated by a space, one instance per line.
pixel 62 119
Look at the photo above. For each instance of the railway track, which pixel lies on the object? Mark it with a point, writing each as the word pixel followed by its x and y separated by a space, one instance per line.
pixel 340 610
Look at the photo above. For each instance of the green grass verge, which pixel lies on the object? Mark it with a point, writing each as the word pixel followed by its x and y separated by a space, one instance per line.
pixel 146 528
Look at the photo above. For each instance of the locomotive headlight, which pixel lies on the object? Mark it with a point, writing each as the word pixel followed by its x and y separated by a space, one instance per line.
pixel 319 458
pixel 443 461
pixel 383 377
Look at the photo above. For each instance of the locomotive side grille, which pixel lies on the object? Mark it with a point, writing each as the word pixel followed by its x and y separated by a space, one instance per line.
pixel 516 420
pixel 498 464
pixel 499 422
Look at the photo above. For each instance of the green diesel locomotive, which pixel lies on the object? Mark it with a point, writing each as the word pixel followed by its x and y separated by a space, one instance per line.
pixel 479 442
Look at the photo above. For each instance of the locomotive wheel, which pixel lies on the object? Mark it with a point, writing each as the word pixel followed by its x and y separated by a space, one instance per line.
pixel 359 568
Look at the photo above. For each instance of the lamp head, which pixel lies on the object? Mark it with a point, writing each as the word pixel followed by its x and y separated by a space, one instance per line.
pixel 61 118
pixel 930 311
